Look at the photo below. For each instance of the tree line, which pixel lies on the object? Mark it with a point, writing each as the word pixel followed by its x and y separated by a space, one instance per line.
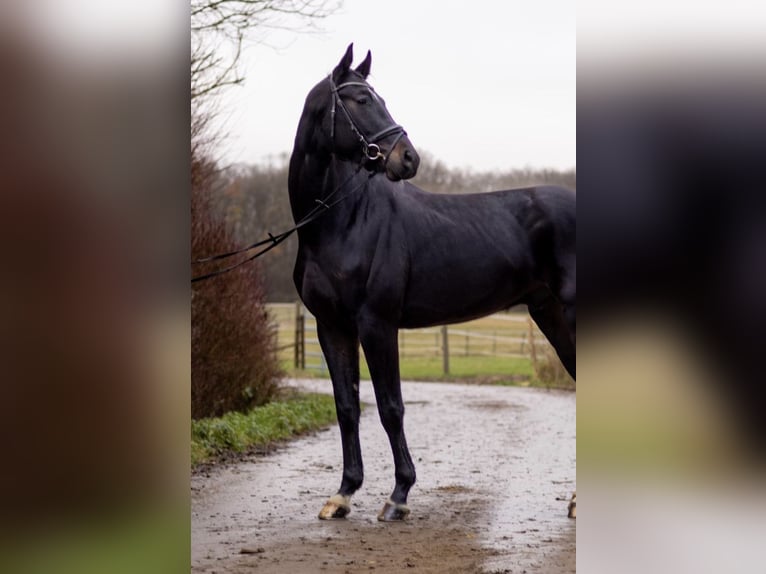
pixel 252 200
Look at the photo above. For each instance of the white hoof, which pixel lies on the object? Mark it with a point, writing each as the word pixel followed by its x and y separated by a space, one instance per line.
pixel 337 506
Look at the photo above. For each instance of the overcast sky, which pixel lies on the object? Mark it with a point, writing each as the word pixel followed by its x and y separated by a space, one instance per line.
pixel 483 84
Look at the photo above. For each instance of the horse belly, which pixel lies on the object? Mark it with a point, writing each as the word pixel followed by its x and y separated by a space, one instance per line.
pixel 461 292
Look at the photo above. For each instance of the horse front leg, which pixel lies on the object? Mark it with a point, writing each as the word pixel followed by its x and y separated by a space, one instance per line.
pixel 380 344
pixel 341 350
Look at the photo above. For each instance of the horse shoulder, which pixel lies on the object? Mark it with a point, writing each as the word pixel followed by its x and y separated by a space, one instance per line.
pixel 315 288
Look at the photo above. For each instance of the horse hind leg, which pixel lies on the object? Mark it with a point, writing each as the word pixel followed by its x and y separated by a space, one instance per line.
pixel 556 319
pixel 341 349
pixel 572 509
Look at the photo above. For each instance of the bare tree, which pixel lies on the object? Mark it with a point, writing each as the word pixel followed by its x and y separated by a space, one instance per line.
pixel 234 365
pixel 219 31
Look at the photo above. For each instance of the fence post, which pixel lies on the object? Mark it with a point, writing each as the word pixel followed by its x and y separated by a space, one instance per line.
pixel 466 343
pixel 300 337
pixel 445 349
pixel 532 346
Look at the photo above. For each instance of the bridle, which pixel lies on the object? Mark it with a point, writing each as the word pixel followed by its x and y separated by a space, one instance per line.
pixel 370 148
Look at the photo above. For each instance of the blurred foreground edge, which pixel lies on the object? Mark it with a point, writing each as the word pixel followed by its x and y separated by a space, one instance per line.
pixel 672 220
pixel 94 298
pixel 672 253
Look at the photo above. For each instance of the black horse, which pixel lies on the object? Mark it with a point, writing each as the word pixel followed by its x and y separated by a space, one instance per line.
pixel 387 255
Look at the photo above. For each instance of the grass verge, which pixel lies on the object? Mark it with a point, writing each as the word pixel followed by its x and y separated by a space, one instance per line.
pixel 292 415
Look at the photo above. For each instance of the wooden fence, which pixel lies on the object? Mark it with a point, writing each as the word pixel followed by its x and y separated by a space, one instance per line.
pixel 510 334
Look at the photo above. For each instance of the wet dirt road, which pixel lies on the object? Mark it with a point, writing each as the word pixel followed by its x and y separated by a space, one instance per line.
pixel 495 467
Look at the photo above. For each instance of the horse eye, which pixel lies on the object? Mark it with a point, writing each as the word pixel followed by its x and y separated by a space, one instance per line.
pixel 362 100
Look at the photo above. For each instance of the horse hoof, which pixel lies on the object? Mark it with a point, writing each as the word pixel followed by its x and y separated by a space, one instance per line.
pixel 572 512
pixel 393 512
pixel 337 506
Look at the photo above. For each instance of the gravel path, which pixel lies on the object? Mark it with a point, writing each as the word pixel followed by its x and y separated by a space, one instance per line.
pixel 496 466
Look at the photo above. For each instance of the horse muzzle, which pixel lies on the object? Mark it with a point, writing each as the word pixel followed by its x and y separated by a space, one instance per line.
pixel 403 161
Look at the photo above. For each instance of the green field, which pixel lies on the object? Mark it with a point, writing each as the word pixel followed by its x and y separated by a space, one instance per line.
pixel 494 348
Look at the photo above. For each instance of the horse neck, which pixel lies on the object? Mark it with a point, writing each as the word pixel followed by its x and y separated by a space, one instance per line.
pixel 312 177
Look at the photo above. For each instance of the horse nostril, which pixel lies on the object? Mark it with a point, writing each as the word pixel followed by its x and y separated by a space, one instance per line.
pixel 408 156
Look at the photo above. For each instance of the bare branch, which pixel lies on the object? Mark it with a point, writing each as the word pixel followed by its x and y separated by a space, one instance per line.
pixel 219 30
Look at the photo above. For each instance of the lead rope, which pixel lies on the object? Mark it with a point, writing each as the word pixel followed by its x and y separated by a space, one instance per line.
pixel 320 209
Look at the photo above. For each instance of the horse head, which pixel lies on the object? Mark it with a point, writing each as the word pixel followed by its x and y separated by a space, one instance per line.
pixel 352 123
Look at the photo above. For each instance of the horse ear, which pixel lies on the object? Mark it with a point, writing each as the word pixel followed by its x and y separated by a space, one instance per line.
pixel 364 67
pixel 345 63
